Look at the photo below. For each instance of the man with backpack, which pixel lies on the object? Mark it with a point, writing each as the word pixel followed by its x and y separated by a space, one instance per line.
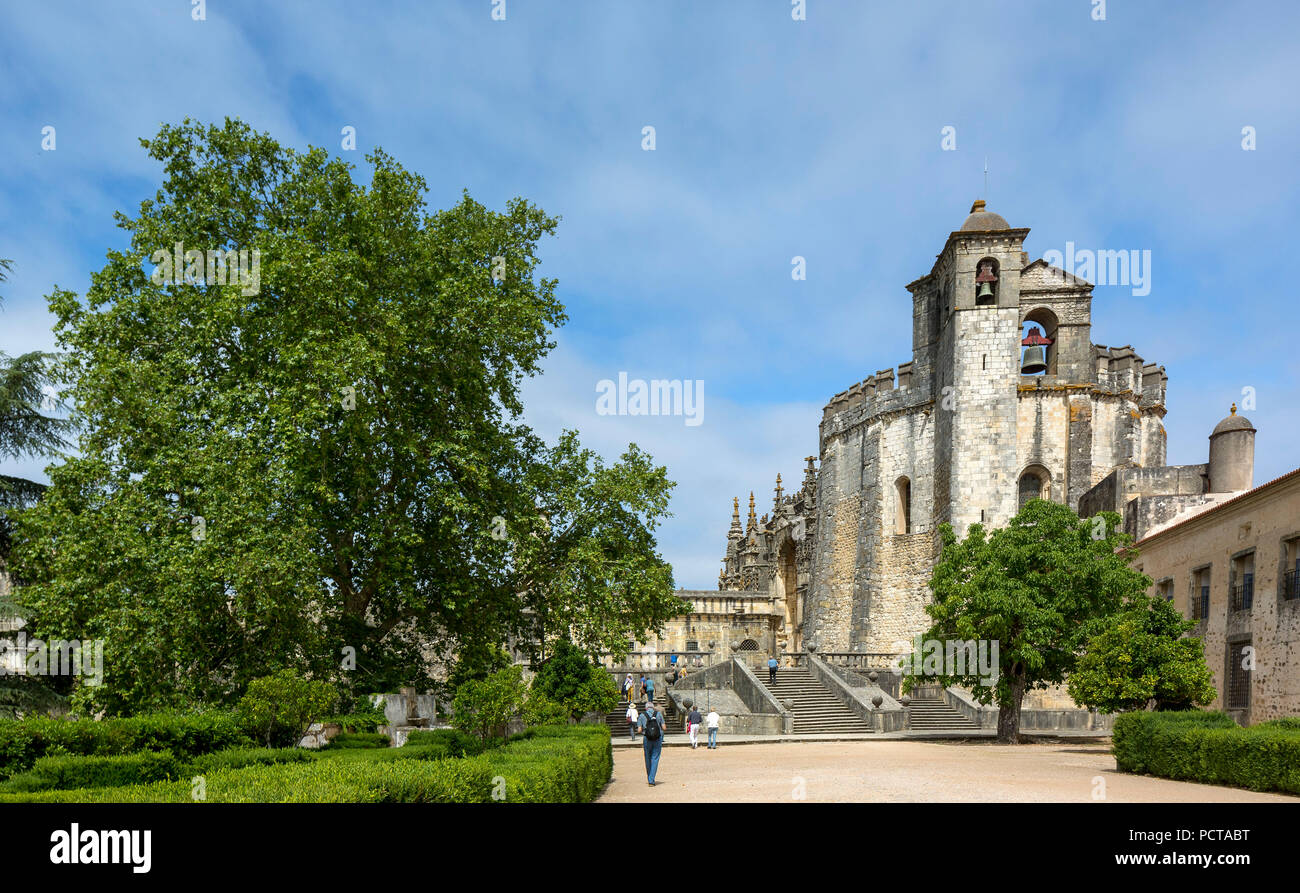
pixel 651 725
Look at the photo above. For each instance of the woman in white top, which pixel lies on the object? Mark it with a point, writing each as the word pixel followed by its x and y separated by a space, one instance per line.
pixel 632 717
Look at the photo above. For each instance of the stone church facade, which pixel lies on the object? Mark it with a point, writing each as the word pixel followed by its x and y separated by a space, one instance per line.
pixel 1005 398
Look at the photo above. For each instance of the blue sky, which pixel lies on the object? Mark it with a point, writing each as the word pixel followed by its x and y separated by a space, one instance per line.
pixel 774 138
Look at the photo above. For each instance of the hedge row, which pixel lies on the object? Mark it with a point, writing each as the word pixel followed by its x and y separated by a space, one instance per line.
pixel 346 740
pixel 65 773
pixel 23 742
pixel 564 764
pixel 453 741
pixel 1209 747
pixel 68 772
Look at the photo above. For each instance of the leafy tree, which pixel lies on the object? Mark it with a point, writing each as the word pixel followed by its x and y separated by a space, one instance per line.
pixel 475 661
pixel 484 707
pixel 323 468
pixel 279 708
pixel 588 563
pixel 1038 587
pixel 570 679
pixel 1142 658
pixel 539 710
pixel 26 429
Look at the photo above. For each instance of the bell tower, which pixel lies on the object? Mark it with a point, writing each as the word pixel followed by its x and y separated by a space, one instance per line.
pixel 977 362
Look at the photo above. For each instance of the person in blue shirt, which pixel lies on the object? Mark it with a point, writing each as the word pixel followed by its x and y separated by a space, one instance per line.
pixel 771 671
pixel 651 726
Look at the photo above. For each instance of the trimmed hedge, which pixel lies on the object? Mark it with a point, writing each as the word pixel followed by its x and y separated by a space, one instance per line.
pixel 248 756
pixel 555 765
pixel 455 742
pixel 71 772
pixel 1209 747
pixel 24 741
pixel 345 740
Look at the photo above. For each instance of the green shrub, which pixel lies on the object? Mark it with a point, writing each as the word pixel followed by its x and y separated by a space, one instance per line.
pixel 454 741
pixel 551 765
pixel 1131 737
pixel 1286 723
pixel 63 773
pixel 570 679
pixel 485 707
pixel 277 709
pixel 24 741
pixel 358 739
pixel 1209 747
pixel 366 717
pixel 248 756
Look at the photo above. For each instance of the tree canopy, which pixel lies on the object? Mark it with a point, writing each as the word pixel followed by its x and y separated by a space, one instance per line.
pixel 1039 587
pixel 1143 659
pixel 319 463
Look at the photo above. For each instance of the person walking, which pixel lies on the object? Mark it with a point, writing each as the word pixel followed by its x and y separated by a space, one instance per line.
pixel 632 717
pixel 629 689
pixel 712 722
pixel 693 726
pixel 651 727
pixel 650 689
pixel 771 671
pixel 640 691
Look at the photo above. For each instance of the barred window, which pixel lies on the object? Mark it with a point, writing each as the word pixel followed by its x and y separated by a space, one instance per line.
pixel 1238 677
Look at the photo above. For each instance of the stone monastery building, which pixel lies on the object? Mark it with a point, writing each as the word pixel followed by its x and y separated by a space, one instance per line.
pixel 1005 397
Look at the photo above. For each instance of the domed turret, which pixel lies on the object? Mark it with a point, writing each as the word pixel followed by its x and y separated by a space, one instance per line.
pixel 982 221
pixel 1232 454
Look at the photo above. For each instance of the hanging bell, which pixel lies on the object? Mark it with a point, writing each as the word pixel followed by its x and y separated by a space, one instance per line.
pixel 985 293
pixel 1035 360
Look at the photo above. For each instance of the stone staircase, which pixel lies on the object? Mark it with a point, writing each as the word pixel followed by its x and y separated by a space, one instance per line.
pixel 817 710
pixel 933 714
pixel 617 719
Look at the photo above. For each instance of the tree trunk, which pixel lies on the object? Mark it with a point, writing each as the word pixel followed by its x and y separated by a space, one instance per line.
pixel 1009 714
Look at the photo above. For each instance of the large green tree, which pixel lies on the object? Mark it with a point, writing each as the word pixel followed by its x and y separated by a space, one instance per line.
pixel 1143 658
pixel 320 466
pixel 1039 587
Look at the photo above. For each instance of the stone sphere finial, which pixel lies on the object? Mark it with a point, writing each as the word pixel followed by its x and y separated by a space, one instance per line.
pixel 876 701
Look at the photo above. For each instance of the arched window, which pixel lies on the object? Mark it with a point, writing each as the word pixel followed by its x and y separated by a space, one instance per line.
pixel 986 282
pixel 1037 325
pixel 903 506
pixel 747 645
pixel 1035 483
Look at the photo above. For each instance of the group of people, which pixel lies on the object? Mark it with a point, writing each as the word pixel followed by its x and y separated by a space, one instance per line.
pixel 644 690
pixel 651 724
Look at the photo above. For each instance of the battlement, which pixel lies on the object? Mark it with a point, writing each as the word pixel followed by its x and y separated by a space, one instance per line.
pixel 877 392
pixel 1120 370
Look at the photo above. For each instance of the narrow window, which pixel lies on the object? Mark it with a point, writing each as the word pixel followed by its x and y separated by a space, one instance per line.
pixel 903 510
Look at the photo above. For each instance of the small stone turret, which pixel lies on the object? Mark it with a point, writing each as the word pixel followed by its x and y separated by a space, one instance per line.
pixel 1232 455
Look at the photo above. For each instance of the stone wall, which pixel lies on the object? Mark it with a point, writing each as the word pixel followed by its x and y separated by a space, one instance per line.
pixel 1264 526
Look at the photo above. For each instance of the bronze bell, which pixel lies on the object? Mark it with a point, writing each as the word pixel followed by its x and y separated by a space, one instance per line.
pixel 1035 360
pixel 985 292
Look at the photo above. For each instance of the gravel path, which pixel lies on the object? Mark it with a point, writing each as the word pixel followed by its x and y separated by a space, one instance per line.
pixel 900 771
